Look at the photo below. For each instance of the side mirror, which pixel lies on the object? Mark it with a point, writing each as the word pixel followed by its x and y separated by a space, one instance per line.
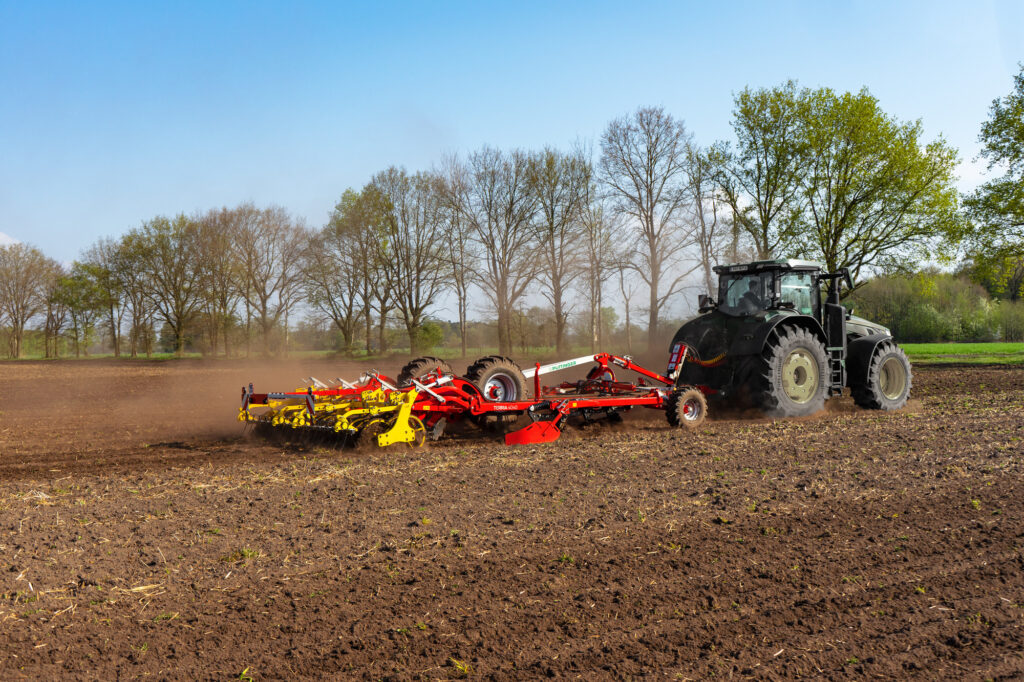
pixel 705 303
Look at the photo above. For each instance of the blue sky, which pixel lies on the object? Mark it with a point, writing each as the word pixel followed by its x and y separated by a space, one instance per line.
pixel 112 113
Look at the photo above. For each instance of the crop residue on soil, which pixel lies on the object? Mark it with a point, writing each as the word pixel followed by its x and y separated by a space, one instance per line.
pixel 140 534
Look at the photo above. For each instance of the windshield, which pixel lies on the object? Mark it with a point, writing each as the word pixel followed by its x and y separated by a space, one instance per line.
pixel 800 290
pixel 744 294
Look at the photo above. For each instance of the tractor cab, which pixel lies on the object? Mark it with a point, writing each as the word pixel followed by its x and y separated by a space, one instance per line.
pixel 765 286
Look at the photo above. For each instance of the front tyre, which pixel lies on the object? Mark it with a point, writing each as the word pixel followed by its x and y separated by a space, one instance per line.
pixel 793 374
pixel 888 382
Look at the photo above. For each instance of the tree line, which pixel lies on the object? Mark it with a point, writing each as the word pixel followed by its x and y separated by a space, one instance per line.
pixel 636 221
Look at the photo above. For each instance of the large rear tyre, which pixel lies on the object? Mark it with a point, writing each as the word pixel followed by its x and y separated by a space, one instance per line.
pixel 888 382
pixel 499 380
pixel 686 408
pixel 415 369
pixel 793 374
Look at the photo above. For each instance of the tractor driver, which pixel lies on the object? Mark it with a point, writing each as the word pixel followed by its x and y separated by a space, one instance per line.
pixel 751 300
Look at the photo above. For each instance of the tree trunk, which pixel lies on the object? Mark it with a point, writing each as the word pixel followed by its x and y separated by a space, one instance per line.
pixel 652 321
pixel 114 336
pixel 463 327
pixel 559 323
pixel 369 328
pixel 629 332
pixel 381 329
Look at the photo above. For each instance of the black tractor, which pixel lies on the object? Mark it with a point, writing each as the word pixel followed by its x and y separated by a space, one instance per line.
pixel 770 341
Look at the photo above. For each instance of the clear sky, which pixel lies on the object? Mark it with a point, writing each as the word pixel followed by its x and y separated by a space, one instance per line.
pixel 112 113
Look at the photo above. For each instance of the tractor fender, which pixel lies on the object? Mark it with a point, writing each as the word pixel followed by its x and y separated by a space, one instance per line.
pixel 858 357
pixel 753 343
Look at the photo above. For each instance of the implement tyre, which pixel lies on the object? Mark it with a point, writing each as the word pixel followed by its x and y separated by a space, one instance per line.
pixel 414 369
pixel 686 408
pixel 499 380
pixel 888 382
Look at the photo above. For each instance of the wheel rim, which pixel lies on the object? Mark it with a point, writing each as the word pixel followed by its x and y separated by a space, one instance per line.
pixel 892 378
pixel 500 388
pixel 692 410
pixel 800 376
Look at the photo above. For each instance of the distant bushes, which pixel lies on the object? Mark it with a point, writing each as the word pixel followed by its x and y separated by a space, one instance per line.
pixel 930 306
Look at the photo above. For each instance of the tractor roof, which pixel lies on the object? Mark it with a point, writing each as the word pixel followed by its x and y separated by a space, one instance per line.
pixel 786 264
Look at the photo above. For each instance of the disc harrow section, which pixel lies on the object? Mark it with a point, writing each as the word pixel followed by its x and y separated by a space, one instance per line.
pixel 494 394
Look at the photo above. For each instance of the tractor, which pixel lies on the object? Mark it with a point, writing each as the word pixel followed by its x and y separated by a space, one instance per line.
pixel 779 339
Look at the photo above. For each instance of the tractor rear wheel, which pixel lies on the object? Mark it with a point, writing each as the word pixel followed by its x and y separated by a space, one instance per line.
pixel 888 382
pixel 414 369
pixel 686 408
pixel 793 374
pixel 499 380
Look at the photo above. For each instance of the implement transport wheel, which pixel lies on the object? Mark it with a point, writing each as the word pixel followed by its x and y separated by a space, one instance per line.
pixel 499 380
pixel 418 367
pixel 888 381
pixel 686 408
pixel 792 375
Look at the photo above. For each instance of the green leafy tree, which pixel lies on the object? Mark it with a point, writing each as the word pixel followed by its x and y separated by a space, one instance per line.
pixel 23 276
pixel 83 297
pixel 996 208
pixel 761 174
pixel 874 192
pixel 167 254
pixel 832 176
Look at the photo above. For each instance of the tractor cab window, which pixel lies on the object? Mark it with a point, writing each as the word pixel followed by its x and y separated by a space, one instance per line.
pixel 799 289
pixel 744 294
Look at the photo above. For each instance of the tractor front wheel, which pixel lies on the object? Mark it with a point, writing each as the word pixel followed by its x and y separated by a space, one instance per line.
pixel 887 385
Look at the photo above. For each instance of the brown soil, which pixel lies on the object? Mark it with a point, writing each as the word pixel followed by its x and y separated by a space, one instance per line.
pixel 142 535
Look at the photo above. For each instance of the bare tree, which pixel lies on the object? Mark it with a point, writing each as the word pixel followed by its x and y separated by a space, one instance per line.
pixel 499 208
pixel 643 163
pixel 219 270
pixel 412 251
pixel 625 269
pixel 599 250
pixel 24 271
pixel 359 218
pixel 333 277
pixel 560 182
pixel 459 253
pixel 269 247
pixel 711 231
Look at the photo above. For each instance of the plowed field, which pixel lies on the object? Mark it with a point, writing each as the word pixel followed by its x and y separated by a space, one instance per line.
pixel 141 535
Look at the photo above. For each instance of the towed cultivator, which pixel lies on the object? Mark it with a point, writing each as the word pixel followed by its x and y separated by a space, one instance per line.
pixel 493 394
